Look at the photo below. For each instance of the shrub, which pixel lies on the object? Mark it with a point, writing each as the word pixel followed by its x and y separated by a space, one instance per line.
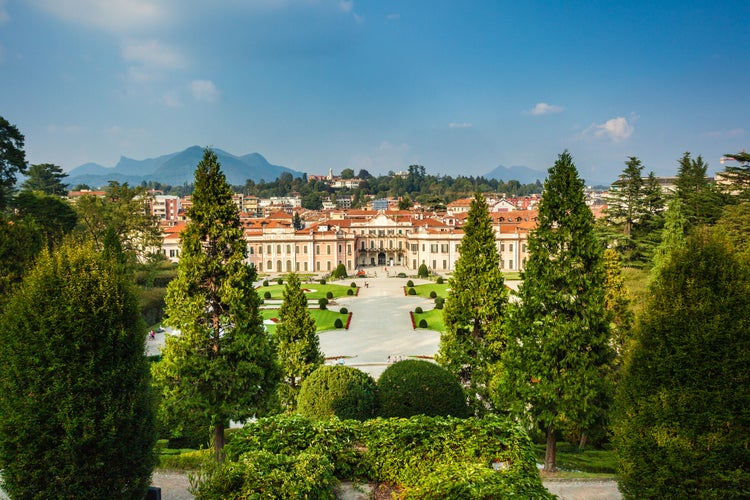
pixel 401 275
pixel 350 292
pixel 339 272
pixel 329 295
pixel 440 280
pixel 266 295
pixel 280 281
pixel 265 282
pixel 341 391
pixel 439 305
pixel 344 310
pixel 418 310
pixel 410 283
pixel 322 302
pixel 412 291
pixel 338 323
pixel 323 281
pixel 423 272
pixel 422 323
pixel 433 294
pixel 416 387
pixel 353 285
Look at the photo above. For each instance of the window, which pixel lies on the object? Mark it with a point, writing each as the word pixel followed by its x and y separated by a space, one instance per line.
pixel 268 247
pixel 510 264
pixel 296 266
pixel 414 263
pixel 349 249
pixel 399 244
pixel 444 248
pixel 328 265
pixel 423 247
pixel 433 249
pixel 445 266
pixel 296 248
pixel 270 265
pixel 278 249
pixel 317 249
pixel 339 247
pixel 289 249
pixel 510 247
pixel 305 264
pixel 502 247
pixel 362 245
pixel 317 264
pixel 304 250
pixel 372 244
pixel 171 252
pixel 252 250
pixel 433 264
pixel 328 249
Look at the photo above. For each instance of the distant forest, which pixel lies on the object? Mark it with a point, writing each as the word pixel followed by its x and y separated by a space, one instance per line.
pixel 431 191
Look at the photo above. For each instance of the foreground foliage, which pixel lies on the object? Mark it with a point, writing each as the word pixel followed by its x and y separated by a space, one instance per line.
pixel 685 394
pixel 340 391
pixel 76 412
pixel 426 457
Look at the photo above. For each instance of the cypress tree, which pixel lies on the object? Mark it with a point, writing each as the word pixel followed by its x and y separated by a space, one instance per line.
pixel 76 408
pixel 297 341
pixel 684 397
pixel 222 366
pixel 558 356
pixel 474 309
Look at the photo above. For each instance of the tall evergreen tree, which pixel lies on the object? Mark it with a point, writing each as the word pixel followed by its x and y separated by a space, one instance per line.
pixel 297 341
pixel 737 176
pixel 684 397
pixel 12 159
pixel 76 407
pixel 625 204
pixel 222 366
pixel 558 356
pixel 474 309
pixel 46 178
pixel 673 236
pixel 701 200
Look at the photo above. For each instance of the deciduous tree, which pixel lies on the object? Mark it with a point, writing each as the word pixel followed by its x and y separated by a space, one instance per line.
pixel 474 309
pixel 684 397
pixel 297 341
pixel 222 366
pixel 76 408
pixel 558 355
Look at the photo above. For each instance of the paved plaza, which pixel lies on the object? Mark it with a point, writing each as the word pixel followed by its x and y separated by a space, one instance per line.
pixel 380 330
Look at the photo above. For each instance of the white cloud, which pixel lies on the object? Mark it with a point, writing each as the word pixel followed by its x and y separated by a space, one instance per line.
pixel 618 129
pixel 171 100
pixel 114 15
pixel 460 125
pixel 543 108
pixel 204 90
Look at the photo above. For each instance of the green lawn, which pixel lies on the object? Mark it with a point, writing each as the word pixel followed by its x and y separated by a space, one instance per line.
pixel 424 290
pixel 578 464
pixel 317 291
pixel 324 319
pixel 434 319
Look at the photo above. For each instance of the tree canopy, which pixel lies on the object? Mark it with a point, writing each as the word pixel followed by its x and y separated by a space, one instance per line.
pixel 46 178
pixel 12 159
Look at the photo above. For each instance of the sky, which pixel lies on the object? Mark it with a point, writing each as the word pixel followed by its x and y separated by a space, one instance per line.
pixel 459 87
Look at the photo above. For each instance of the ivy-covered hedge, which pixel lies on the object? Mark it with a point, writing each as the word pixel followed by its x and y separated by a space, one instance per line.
pixel 289 456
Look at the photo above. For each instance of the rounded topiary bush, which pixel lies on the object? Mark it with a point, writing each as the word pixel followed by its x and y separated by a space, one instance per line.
pixel 329 295
pixel 422 323
pixel 423 272
pixel 440 280
pixel 439 305
pixel 401 275
pixel 418 310
pixel 412 291
pixel 322 302
pixel 433 294
pixel 350 292
pixel 344 310
pixel 280 281
pixel 410 283
pixel 353 284
pixel 341 391
pixel 416 387
pixel 323 282
pixel 338 323
pixel 267 295
pixel 265 282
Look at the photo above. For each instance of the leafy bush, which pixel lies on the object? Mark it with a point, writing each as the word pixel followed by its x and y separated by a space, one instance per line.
pixel 350 291
pixel 412 291
pixel 439 305
pixel 322 303
pixel 416 387
pixel 433 294
pixel 338 323
pixel 401 275
pixel 409 284
pixel 151 304
pixel 353 285
pixel 265 282
pixel 418 310
pixel 339 272
pixel 423 272
pixel 422 323
pixel 341 391
pixel 440 280
pixel 280 281
pixel 323 281
pixel 344 310
pixel 329 295
pixel 190 460
pixel 266 295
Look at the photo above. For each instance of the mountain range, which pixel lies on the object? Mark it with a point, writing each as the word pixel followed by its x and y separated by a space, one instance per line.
pixel 176 169
pixel 524 175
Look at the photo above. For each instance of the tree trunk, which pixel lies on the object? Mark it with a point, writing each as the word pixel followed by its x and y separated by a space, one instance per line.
pixel 583 442
pixel 219 443
pixel 549 456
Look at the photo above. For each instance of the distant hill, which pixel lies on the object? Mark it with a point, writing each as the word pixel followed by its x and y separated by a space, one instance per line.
pixel 524 175
pixel 177 169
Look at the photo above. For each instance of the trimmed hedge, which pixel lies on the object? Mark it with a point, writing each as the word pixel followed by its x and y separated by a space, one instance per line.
pixel 433 294
pixel 349 291
pixel 266 295
pixel 418 310
pixel 428 457
pixel 338 323
pixel 412 291
pixel 344 310
pixel 422 323
pixel 340 391
pixel 353 285
pixel 417 387
pixel 440 280
pixel 329 295
pixel 409 283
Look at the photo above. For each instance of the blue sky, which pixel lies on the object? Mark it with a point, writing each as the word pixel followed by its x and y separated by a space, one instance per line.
pixel 459 87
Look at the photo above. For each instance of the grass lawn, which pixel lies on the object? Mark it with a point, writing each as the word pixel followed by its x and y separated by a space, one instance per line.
pixel 318 291
pixel 324 319
pixel 434 319
pixel 424 290
pixel 513 276
pixel 573 463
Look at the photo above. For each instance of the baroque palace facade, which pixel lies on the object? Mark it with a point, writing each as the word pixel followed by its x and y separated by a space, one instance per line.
pixel 362 239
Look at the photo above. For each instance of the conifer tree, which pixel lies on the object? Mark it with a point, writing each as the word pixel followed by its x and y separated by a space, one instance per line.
pixel 474 309
pixel 558 356
pixel 701 201
pixel 222 366
pixel 617 301
pixel 673 236
pixel 625 204
pixel 297 341
pixel 684 397
pixel 76 406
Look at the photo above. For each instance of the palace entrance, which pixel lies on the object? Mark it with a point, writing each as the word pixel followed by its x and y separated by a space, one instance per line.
pixel 381 259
